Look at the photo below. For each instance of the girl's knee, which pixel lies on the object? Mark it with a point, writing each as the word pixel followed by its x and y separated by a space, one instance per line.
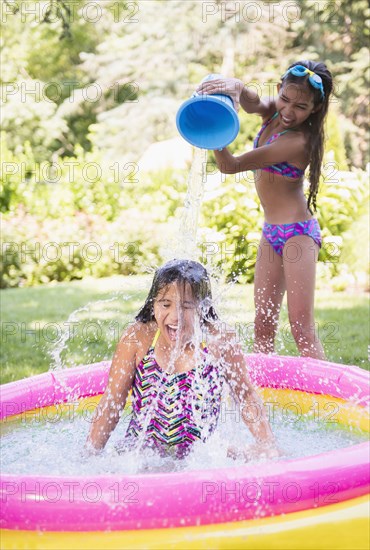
pixel 265 324
pixel 303 328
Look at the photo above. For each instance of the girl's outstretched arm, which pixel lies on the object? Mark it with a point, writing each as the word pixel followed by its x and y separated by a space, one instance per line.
pixel 248 398
pixel 286 149
pixel 242 95
pixel 113 402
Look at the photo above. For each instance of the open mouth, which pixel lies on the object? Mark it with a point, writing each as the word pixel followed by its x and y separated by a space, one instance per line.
pixel 286 120
pixel 172 331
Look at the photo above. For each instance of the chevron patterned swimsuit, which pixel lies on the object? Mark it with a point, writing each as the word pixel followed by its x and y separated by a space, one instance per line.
pixel 278 234
pixel 170 412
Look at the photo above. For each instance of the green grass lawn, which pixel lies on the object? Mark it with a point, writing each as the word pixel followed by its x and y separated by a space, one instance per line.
pixel 80 322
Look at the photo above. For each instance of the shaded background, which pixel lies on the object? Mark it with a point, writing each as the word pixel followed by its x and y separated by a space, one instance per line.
pixel 93 170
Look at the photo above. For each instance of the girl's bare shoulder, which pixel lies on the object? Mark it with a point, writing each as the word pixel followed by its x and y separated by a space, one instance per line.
pixel 139 335
pixel 297 135
pixel 268 108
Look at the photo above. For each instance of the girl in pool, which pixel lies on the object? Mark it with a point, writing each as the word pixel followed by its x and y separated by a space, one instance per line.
pixel 175 377
pixel 290 139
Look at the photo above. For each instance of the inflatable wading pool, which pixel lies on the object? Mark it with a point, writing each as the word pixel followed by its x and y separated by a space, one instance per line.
pixel 319 501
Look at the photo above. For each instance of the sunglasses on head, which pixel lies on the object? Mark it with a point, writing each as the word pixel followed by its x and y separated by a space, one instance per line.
pixel 314 79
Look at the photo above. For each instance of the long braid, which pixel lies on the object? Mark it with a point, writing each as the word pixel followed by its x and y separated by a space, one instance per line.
pixel 314 125
pixel 316 153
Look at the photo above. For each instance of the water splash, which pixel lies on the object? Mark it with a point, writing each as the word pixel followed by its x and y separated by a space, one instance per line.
pixel 57 350
pixel 299 437
pixel 92 331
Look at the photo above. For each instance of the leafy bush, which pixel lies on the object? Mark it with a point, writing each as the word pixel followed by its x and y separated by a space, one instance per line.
pixel 54 189
pixel 231 221
pixel 80 226
pixel 35 252
pixel 29 116
pixel 81 216
pixel 343 200
pixel 14 187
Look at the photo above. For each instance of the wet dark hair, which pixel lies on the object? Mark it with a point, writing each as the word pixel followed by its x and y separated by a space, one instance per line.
pixel 182 272
pixel 315 122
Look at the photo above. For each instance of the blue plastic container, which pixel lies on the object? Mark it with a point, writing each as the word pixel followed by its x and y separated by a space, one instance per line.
pixel 208 121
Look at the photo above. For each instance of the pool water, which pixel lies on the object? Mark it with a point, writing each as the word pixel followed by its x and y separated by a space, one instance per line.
pixel 54 444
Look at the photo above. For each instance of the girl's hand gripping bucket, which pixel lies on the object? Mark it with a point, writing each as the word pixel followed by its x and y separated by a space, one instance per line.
pixel 208 121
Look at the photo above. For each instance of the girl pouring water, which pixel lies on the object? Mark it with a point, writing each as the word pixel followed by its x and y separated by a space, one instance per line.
pixel 290 139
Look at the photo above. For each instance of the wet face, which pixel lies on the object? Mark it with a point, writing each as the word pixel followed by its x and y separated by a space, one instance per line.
pixel 295 103
pixel 175 313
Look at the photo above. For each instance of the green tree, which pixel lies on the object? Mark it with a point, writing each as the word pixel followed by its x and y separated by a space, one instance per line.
pixel 338 33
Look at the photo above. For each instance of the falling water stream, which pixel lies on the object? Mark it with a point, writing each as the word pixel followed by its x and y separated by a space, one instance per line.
pixel 192 205
pixel 184 242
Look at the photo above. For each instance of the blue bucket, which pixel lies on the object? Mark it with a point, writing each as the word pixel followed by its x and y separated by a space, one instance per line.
pixel 208 121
